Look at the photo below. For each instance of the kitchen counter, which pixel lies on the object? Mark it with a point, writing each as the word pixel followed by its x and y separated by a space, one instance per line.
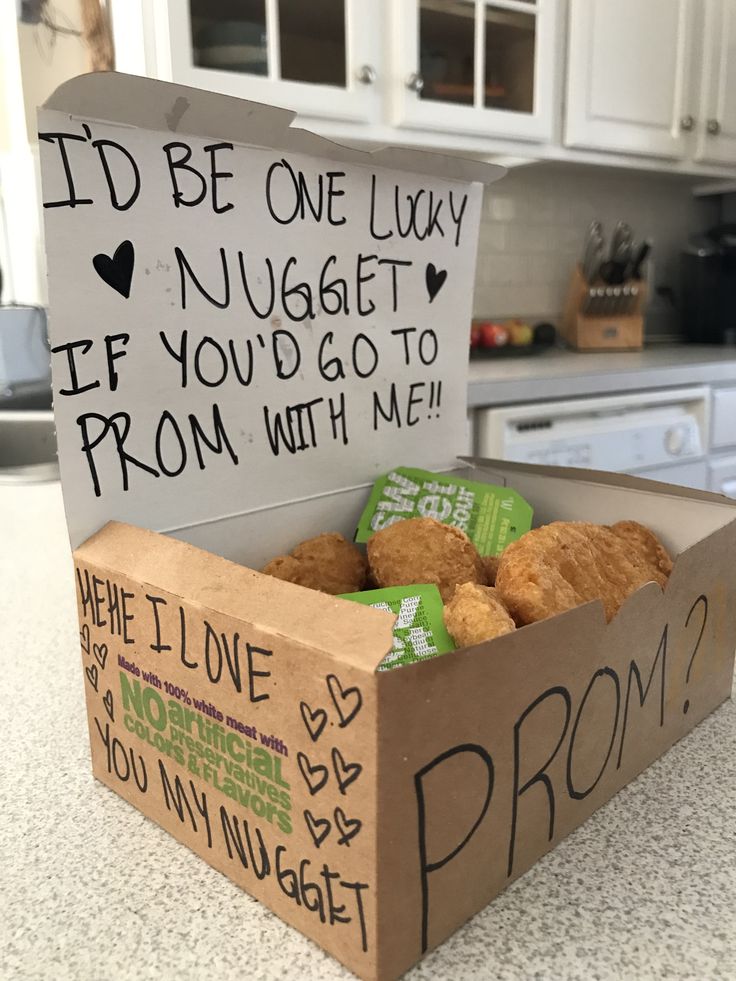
pixel 559 374
pixel 91 889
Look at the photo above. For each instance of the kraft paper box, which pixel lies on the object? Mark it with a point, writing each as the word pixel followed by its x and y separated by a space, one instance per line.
pixel 248 325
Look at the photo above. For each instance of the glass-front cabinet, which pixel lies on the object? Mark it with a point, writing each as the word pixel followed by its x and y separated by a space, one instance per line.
pixel 643 78
pixel 317 57
pixel 476 66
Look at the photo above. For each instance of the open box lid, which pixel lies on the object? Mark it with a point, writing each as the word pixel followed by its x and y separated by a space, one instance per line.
pixel 244 314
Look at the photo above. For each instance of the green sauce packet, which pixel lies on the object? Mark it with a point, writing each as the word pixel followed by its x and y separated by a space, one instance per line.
pixel 419 632
pixel 490 516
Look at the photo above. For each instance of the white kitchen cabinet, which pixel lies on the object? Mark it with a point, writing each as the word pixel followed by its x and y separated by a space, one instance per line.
pixel 722 475
pixel 322 58
pixel 485 67
pixel 724 418
pixel 483 77
pixel 629 75
pixel 717 113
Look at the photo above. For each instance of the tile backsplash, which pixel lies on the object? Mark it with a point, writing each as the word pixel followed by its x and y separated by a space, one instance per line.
pixel 534 222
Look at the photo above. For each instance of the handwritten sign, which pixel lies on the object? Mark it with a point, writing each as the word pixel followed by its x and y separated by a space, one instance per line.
pixel 230 321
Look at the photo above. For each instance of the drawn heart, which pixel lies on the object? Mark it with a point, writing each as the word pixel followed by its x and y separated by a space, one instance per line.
pixel 118 271
pixel 309 717
pixel 315 783
pixel 100 652
pixel 93 675
pixel 84 638
pixel 434 279
pixel 348 827
pixel 314 824
pixel 342 698
pixel 107 702
pixel 345 773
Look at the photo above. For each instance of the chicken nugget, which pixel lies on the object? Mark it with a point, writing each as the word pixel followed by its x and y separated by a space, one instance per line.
pixel 476 613
pixel 423 550
pixel 644 543
pixel 564 564
pixel 328 563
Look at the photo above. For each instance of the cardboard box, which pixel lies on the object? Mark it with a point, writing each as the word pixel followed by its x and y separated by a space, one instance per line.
pixel 374 811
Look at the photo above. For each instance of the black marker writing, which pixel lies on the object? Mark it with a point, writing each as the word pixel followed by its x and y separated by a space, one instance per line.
pixel 295 428
pixel 334 292
pixel 178 156
pixel 364 358
pixel 223 658
pixel 701 601
pixel 541 775
pixel 178 801
pixel 426 867
pixel 283 182
pixel 635 675
pixel 155 602
pixel 210 360
pixel 70 348
pixel 260 863
pixel 322 899
pixel 119 205
pixel 118 425
pixel 573 791
pixel 397 409
pixel 425 346
pixel 121 761
pixel 106 604
pixel 113 356
pixel 60 140
pixel 457 216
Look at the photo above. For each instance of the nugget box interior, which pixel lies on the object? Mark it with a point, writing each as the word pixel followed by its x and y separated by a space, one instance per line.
pixel 248 325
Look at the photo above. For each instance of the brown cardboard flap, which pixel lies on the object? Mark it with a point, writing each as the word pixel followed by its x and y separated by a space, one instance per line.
pixel 680 516
pixel 605 478
pixel 253 748
pixel 349 632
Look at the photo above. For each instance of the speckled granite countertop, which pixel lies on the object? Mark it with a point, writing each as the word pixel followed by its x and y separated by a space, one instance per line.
pixel 559 373
pixel 91 890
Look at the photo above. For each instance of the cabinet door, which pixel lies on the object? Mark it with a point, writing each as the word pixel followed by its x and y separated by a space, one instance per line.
pixel 722 471
pixel 319 58
pixel 479 67
pixel 628 76
pixel 717 116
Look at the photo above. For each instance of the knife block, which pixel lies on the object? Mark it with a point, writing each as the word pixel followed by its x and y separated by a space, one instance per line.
pixel 586 329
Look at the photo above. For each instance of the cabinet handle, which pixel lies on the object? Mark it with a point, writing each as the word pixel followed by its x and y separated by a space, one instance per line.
pixel 713 127
pixel 687 123
pixel 366 74
pixel 415 82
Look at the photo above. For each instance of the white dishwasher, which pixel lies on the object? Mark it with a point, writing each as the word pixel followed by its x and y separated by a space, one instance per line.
pixel 661 434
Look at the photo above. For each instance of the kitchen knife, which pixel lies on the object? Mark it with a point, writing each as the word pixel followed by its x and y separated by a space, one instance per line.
pixel 638 260
pixel 620 240
pixel 592 251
